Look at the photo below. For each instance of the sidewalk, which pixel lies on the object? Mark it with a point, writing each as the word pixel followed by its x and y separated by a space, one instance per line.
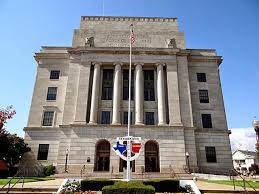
pixel 52 184
pixel 203 185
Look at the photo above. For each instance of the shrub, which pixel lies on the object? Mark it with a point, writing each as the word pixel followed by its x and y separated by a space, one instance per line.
pixel 130 187
pixel 95 185
pixel 164 185
pixel 49 170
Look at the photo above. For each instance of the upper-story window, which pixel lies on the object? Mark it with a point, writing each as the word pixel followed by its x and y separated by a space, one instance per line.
pixel 48 117
pixel 43 152
pixel 107 84
pixel 201 77
pixel 105 117
pixel 126 85
pixel 149 89
pixel 52 93
pixel 206 120
pixel 149 118
pixel 204 96
pixel 125 118
pixel 211 154
pixel 54 74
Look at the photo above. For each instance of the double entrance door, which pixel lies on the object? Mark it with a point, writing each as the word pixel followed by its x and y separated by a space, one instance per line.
pixel 103 162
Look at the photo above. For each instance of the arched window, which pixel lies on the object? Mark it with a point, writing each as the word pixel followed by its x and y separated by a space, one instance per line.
pixel 102 156
pixel 151 156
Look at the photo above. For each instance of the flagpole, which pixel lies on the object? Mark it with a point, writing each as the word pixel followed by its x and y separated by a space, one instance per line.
pixel 128 142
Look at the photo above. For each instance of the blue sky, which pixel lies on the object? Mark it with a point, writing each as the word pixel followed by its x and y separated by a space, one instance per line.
pixel 231 27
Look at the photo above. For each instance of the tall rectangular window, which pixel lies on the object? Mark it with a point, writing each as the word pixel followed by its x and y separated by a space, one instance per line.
pixel 43 152
pixel 204 96
pixel 149 89
pixel 149 120
pixel 54 74
pixel 201 77
pixel 125 118
pixel 47 118
pixel 107 84
pixel 126 85
pixel 211 154
pixel 52 93
pixel 105 117
pixel 206 120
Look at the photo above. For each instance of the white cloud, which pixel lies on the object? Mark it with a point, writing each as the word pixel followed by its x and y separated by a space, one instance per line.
pixel 243 139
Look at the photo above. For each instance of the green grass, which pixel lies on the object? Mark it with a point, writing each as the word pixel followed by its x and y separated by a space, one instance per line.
pixel 26 180
pixel 237 183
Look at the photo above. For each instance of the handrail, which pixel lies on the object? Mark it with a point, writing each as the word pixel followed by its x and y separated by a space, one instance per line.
pixel 244 181
pixel 9 182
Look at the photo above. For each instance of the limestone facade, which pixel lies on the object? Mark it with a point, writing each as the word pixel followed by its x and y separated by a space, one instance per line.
pixel 167 111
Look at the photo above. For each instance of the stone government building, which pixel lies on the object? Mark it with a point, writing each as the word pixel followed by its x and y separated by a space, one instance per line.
pixel 80 102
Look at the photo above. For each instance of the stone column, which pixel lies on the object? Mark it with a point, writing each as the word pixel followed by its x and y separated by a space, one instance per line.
pixel 139 95
pixel 95 94
pixel 161 95
pixel 116 95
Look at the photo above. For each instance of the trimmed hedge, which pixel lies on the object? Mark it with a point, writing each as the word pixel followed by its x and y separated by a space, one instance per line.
pixel 49 170
pixel 95 185
pixel 131 187
pixel 164 185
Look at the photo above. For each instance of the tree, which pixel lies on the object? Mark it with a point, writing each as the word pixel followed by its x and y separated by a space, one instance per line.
pixel 12 146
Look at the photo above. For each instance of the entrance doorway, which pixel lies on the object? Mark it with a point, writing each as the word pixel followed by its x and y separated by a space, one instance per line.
pixel 102 156
pixel 151 156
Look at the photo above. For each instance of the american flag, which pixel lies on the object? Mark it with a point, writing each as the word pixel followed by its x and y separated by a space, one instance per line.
pixel 132 37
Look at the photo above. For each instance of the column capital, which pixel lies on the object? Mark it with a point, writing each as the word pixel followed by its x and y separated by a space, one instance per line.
pixel 160 63
pixel 137 64
pixel 96 63
pixel 117 63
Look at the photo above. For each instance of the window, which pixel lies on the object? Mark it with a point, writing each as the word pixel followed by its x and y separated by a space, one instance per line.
pixel 52 93
pixel 54 74
pixel 107 84
pixel 206 120
pixel 105 117
pixel 204 96
pixel 201 77
pixel 149 91
pixel 125 117
pixel 126 85
pixel 211 154
pixel 149 118
pixel 48 118
pixel 43 152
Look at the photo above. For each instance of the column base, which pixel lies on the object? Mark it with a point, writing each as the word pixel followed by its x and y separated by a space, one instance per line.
pixel 115 123
pixel 141 124
pixel 92 123
pixel 176 124
pixel 162 124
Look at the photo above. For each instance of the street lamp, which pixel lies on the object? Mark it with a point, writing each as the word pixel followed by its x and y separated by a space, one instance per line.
pixel 66 161
pixel 256 128
pixel 187 161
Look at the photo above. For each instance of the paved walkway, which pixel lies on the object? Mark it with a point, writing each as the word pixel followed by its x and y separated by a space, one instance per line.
pixel 41 184
pixel 203 185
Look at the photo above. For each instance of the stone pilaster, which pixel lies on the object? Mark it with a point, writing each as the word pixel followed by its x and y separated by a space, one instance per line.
pixel 139 93
pixel 95 94
pixel 161 95
pixel 116 95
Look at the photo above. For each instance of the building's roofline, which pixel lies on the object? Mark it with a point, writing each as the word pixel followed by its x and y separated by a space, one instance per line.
pixel 246 152
pixel 128 18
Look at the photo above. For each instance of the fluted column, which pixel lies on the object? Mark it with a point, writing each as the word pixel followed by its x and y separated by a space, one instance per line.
pixel 95 94
pixel 139 95
pixel 116 95
pixel 161 95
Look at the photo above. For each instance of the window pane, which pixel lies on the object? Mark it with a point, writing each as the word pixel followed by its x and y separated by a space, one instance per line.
pixel 125 117
pixel 150 118
pixel 52 93
pixel 107 84
pixel 211 154
pixel 47 118
pixel 201 77
pixel 149 90
pixel 43 152
pixel 204 96
pixel 105 118
pixel 206 121
pixel 54 74
pixel 126 84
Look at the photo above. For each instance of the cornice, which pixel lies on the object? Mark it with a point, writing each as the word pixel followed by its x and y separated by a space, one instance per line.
pixel 123 18
pixel 198 58
pixel 39 56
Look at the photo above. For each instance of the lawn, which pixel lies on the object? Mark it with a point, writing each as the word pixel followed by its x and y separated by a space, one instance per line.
pixel 237 182
pixel 26 180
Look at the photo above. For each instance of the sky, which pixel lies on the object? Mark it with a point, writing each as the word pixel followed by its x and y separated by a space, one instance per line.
pixel 231 27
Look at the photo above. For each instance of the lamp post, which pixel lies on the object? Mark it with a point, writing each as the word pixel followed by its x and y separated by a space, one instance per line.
pixel 66 161
pixel 256 128
pixel 187 161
